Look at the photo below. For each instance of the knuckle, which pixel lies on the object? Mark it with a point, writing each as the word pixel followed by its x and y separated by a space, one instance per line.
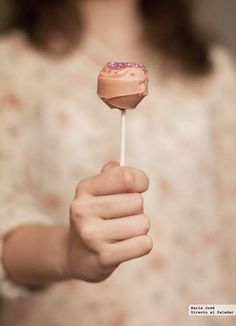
pixel 127 179
pixel 74 211
pixel 145 224
pixel 87 231
pixel 138 202
pixel 82 207
pixel 147 244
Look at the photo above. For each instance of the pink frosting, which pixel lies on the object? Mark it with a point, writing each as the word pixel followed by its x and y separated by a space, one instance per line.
pixel 123 65
pixel 123 84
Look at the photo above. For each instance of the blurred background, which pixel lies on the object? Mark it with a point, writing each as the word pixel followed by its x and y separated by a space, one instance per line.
pixel 219 16
pixel 216 16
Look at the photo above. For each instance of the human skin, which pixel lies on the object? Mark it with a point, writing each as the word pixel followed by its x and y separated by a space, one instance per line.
pixel 125 28
pixel 107 227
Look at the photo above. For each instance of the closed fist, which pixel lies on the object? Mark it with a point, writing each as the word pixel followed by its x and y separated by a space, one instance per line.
pixel 107 223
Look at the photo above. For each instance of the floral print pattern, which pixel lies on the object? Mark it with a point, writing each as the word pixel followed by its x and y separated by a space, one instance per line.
pixel 54 131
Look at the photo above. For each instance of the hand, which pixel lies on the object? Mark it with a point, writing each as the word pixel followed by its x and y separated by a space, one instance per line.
pixel 107 223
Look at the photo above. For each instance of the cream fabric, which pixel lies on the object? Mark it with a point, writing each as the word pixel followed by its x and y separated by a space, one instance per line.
pixel 54 131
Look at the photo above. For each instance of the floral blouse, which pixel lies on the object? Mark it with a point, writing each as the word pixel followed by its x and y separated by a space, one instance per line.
pixel 55 131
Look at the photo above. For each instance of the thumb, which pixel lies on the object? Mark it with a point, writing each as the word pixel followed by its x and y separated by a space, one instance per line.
pixel 109 166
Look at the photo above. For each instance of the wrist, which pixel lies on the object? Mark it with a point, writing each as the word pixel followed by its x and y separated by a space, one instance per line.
pixel 60 242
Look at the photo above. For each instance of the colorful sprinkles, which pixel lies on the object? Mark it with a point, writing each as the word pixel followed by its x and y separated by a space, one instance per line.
pixel 124 65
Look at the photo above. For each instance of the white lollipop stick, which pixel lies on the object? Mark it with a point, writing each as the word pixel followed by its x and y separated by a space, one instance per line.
pixel 122 137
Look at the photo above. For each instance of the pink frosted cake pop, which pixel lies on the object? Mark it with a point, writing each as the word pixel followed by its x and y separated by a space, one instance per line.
pixel 122 85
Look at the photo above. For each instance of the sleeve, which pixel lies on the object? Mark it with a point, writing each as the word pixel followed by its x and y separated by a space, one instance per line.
pixel 224 136
pixel 19 166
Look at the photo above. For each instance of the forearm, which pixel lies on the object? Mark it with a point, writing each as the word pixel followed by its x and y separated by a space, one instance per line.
pixel 36 254
pixel 107 227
